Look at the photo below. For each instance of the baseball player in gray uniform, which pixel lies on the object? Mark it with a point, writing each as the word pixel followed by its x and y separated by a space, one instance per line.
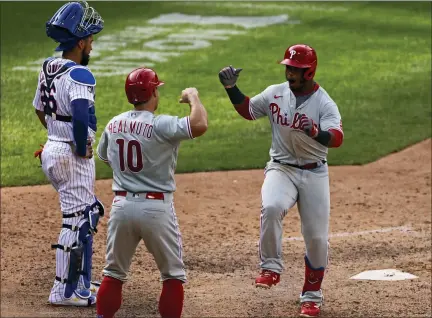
pixel 305 122
pixel 142 150
pixel 64 104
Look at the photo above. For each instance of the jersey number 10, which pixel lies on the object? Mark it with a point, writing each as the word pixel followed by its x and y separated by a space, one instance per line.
pixel 133 150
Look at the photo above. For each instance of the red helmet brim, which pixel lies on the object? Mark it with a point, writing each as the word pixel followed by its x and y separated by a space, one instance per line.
pixel 294 63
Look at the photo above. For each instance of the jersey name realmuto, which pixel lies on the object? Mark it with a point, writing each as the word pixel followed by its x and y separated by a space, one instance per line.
pixel 142 150
pixel 62 92
pixel 289 144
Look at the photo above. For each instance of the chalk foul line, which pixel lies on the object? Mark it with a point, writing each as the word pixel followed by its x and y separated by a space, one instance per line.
pixel 344 234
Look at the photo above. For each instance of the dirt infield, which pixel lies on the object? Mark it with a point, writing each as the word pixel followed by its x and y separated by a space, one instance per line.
pixel 219 219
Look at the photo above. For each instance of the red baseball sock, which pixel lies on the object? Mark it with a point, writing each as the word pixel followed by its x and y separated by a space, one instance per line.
pixel 109 297
pixel 171 299
pixel 313 277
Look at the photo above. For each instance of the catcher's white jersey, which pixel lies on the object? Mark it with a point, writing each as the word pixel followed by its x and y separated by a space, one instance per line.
pixel 60 95
pixel 289 144
pixel 142 150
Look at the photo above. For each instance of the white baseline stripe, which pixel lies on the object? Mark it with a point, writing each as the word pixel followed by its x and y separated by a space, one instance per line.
pixel 343 234
pixel 291 6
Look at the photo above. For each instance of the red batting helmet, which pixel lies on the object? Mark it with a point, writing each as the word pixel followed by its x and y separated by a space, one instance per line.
pixel 140 85
pixel 301 56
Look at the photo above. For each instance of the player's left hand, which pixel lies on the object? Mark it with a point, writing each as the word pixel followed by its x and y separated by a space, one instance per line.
pixel 228 76
pixel 308 126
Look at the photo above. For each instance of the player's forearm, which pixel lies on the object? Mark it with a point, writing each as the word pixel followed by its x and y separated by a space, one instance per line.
pixel 198 117
pixel 103 160
pixel 80 122
pixel 235 95
pixel 332 138
pixel 240 101
pixel 41 116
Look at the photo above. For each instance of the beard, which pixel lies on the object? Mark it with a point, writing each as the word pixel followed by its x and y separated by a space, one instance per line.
pixel 296 85
pixel 85 59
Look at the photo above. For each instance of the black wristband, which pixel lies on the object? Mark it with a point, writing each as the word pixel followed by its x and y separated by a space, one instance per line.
pixel 323 137
pixel 235 95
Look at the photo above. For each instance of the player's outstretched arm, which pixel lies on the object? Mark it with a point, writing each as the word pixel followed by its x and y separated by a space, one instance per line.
pixel 198 114
pixel 228 77
pixel 41 116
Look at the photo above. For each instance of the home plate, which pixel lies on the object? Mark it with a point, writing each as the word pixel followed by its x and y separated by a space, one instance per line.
pixel 384 274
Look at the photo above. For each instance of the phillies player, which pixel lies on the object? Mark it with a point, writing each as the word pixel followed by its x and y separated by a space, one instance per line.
pixel 64 104
pixel 142 150
pixel 305 122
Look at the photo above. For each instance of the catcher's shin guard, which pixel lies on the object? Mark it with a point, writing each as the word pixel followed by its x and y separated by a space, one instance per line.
pixel 74 255
pixel 87 230
pixel 69 254
pixel 75 249
pixel 77 265
pixel 86 239
pixel 74 272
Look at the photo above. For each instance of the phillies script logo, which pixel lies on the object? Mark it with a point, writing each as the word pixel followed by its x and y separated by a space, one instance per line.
pixel 282 119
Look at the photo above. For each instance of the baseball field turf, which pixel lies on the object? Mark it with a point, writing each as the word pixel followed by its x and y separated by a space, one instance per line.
pixel 374 59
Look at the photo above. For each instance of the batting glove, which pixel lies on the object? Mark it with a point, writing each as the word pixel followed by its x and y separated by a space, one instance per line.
pixel 38 153
pixel 228 76
pixel 309 126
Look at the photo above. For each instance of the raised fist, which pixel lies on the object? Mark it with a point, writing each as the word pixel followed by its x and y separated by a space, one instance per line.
pixel 228 76
pixel 187 94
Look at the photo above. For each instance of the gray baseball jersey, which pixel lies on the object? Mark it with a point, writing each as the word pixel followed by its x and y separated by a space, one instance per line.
pixel 142 150
pixel 289 144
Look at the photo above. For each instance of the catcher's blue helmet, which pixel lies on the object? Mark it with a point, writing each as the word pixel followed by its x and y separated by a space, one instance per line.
pixel 72 22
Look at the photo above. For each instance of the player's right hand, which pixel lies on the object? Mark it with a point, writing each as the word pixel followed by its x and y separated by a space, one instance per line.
pixel 187 94
pixel 89 151
pixel 228 76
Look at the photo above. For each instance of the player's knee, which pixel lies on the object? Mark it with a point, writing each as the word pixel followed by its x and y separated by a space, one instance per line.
pixel 316 243
pixel 116 272
pixel 273 211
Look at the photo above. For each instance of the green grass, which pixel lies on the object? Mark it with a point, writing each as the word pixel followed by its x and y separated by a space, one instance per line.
pixel 374 60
